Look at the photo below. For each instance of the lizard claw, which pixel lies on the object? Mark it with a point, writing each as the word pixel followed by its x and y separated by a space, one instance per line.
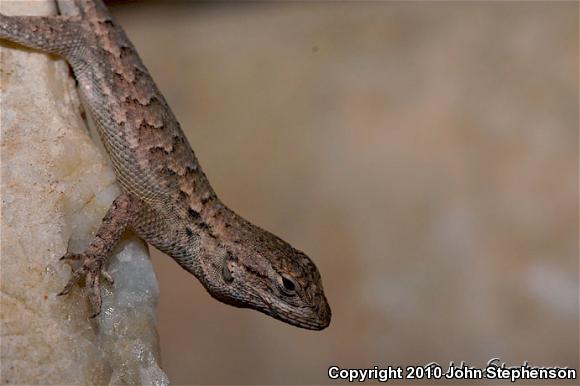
pixel 107 276
pixel 71 256
pixel 68 255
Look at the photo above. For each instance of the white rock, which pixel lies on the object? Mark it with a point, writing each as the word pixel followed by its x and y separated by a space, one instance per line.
pixel 56 186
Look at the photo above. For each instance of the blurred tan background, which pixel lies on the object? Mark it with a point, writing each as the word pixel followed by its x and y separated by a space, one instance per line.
pixel 425 154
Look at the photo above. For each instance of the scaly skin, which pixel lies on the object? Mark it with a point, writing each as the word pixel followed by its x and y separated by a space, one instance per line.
pixel 167 199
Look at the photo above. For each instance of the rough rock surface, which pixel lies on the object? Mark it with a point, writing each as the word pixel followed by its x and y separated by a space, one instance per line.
pixel 56 186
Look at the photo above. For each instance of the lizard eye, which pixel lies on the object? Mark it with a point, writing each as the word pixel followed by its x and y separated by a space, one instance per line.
pixel 287 285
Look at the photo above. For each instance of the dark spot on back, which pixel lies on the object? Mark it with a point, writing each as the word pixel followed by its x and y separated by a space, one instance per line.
pixel 126 51
pixel 193 214
pixel 158 149
pixel 207 197
pixel 169 171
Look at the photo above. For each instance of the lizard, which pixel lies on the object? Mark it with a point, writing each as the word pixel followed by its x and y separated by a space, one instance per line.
pixel 166 197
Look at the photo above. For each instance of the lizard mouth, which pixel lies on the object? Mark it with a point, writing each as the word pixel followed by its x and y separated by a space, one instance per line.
pixel 310 318
pixel 315 317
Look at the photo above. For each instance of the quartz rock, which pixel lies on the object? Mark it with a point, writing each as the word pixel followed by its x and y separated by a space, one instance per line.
pixel 56 186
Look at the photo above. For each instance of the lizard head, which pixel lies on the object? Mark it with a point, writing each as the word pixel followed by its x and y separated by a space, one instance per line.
pixel 253 268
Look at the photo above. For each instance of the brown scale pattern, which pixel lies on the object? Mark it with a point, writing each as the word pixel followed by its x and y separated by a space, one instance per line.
pixel 160 148
pixel 167 198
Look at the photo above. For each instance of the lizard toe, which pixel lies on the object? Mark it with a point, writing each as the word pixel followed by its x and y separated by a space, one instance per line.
pixel 76 276
pixel 71 256
pixel 91 269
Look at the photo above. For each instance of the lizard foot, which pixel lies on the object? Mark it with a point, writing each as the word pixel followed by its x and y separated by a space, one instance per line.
pixel 92 260
pixel 92 268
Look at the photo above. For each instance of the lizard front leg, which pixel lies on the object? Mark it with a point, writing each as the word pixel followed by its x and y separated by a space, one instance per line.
pixel 119 216
pixel 55 34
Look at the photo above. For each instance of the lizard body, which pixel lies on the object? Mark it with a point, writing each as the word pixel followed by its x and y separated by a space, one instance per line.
pixel 167 199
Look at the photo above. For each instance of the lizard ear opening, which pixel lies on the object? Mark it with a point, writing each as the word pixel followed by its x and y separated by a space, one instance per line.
pixel 226 273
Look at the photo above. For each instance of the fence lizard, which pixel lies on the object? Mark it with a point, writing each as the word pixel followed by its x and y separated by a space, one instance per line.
pixel 167 200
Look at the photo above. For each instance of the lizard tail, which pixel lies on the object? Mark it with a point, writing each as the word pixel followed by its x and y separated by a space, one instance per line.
pixel 55 34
